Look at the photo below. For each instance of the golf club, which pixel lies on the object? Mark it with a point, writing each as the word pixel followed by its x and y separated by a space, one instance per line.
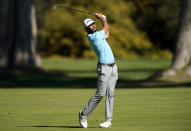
pixel 55 6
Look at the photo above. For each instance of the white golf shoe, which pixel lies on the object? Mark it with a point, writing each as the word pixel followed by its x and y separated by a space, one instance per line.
pixel 106 124
pixel 83 120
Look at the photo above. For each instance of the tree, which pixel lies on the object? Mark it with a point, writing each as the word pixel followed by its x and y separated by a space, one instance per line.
pixel 182 55
pixel 18 34
pixel 62 33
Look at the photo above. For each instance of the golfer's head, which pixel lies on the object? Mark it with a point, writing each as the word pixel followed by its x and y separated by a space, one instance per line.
pixel 89 25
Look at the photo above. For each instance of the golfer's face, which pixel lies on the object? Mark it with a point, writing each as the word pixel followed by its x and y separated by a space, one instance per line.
pixel 92 27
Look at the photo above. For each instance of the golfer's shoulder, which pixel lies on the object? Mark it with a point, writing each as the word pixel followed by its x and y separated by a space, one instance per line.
pixel 100 32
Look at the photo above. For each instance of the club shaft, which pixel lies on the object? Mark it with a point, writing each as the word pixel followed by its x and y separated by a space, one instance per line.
pixel 76 10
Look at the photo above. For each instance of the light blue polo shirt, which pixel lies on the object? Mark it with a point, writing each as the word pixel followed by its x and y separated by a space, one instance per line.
pixel 101 47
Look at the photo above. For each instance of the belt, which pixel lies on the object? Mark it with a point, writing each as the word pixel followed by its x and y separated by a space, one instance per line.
pixel 112 64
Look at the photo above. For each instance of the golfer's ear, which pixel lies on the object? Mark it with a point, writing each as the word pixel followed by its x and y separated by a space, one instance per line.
pixel 87 29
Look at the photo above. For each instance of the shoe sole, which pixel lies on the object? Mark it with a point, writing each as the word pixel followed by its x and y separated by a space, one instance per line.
pixel 104 127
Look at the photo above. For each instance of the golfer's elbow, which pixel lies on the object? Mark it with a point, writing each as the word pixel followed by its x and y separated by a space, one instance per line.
pixel 107 35
pixel 107 28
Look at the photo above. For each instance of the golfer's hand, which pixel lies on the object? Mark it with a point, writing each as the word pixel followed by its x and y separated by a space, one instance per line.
pixel 99 16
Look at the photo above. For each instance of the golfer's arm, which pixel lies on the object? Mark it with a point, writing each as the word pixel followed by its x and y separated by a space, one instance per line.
pixel 105 27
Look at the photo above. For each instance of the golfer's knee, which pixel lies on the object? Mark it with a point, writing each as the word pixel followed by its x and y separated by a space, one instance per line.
pixel 111 93
pixel 99 95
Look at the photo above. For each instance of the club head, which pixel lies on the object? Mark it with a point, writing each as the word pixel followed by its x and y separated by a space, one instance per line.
pixel 55 6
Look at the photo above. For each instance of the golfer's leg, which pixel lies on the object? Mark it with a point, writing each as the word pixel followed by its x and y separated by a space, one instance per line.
pixel 95 99
pixel 110 95
pixel 110 99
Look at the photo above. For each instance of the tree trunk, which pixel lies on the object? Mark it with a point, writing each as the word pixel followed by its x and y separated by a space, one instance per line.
pixel 18 34
pixel 182 55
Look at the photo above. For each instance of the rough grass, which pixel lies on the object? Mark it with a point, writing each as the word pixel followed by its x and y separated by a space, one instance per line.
pixel 51 100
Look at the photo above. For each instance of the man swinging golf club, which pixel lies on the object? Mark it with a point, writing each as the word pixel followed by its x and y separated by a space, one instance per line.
pixel 106 70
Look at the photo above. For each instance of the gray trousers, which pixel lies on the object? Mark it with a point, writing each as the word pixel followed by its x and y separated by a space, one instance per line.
pixel 107 78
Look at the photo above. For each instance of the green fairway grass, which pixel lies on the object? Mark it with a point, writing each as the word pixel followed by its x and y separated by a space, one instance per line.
pixel 50 100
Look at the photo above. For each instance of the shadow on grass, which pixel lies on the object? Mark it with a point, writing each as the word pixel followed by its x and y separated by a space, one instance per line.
pixel 53 126
pixel 38 126
pixel 59 79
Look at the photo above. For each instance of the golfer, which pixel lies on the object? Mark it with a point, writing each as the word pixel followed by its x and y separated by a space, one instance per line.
pixel 106 70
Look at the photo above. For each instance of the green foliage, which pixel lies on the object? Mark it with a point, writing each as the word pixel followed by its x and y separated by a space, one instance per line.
pixel 159 18
pixel 62 32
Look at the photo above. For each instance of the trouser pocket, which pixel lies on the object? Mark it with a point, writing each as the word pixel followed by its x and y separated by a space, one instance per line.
pixel 103 72
pixel 115 72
